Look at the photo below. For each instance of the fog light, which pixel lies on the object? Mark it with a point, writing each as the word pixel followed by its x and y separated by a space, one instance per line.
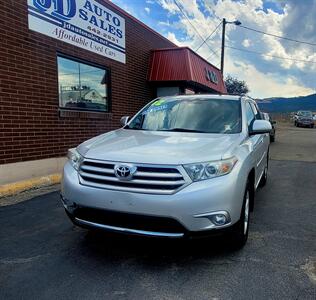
pixel 219 219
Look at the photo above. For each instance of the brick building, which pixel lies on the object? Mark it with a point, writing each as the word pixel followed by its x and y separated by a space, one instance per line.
pixel 69 71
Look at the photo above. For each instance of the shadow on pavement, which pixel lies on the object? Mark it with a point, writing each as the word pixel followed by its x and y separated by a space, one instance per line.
pixel 106 246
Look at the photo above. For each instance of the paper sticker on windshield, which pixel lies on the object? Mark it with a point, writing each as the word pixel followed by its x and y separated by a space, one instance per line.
pixel 228 128
pixel 155 109
pixel 158 102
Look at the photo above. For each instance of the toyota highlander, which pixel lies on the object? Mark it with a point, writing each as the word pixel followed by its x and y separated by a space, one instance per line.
pixel 183 166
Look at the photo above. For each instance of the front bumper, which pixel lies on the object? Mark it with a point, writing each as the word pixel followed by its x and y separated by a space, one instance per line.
pixel 305 122
pixel 191 207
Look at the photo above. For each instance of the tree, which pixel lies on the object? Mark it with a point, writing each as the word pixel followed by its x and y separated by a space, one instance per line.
pixel 235 86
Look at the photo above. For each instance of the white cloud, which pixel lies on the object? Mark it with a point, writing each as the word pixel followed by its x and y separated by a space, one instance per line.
pixel 162 23
pixel 172 37
pixel 147 9
pixel 266 76
pixel 246 43
pixel 264 85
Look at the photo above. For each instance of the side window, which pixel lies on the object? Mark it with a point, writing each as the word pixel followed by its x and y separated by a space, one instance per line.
pixel 256 111
pixel 249 114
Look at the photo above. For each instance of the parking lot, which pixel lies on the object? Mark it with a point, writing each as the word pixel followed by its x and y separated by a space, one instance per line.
pixel 42 255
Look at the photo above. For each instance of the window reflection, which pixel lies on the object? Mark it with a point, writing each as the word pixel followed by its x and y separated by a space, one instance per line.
pixel 82 86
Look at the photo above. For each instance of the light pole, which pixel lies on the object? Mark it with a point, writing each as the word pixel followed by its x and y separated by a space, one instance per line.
pixel 237 23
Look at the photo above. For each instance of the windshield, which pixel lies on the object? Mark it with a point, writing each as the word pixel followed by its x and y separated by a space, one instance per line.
pixel 305 113
pixel 190 115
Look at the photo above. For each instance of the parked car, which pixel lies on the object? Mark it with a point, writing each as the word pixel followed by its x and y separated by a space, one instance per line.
pixel 304 118
pixel 184 166
pixel 267 117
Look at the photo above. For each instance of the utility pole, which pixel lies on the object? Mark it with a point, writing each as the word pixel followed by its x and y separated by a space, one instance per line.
pixel 223 46
pixel 237 23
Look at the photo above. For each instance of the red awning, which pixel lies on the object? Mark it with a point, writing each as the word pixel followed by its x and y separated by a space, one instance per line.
pixel 182 64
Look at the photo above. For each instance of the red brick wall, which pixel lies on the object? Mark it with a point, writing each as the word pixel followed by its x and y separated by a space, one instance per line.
pixel 30 125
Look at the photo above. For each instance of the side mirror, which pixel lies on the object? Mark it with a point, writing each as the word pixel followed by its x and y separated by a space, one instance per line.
pixel 260 127
pixel 273 122
pixel 124 120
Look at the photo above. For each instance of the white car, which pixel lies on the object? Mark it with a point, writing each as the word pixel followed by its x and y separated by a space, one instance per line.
pixel 183 166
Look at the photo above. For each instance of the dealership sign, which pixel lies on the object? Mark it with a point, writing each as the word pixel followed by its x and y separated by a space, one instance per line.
pixel 84 23
pixel 211 76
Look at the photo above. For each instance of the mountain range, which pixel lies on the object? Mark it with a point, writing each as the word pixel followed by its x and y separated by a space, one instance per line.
pixel 280 105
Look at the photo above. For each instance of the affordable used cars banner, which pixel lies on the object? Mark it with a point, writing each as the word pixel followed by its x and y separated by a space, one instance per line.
pixel 84 23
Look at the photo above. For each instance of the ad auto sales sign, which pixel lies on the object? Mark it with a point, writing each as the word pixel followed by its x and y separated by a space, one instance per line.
pixel 83 23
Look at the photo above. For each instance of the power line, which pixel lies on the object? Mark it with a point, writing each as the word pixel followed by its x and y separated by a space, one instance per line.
pixel 216 51
pixel 182 12
pixel 277 36
pixel 274 56
pixel 208 37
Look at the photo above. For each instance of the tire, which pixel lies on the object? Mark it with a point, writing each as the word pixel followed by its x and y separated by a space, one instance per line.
pixel 264 178
pixel 272 138
pixel 239 235
pixel 295 124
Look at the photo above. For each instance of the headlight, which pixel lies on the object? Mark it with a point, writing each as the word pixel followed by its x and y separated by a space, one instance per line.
pixel 74 158
pixel 207 170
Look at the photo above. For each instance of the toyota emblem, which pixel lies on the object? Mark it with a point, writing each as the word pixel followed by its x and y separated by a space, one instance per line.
pixel 124 172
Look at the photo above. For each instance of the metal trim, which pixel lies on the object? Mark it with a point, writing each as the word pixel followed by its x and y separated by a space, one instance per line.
pixel 210 214
pixel 130 231
pixel 181 170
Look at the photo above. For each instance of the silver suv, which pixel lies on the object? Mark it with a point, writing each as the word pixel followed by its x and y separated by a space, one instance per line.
pixel 182 166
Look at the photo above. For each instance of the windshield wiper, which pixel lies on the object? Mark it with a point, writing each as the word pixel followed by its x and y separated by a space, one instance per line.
pixel 133 128
pixel 184 130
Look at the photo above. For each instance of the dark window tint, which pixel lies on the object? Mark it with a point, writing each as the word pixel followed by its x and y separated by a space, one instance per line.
pixel 82 86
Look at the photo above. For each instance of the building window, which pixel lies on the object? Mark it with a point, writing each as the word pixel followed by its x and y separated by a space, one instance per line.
pixel 82 86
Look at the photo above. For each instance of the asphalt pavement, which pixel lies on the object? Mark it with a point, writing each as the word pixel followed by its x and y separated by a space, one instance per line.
pixel 293 143
pixel 43 256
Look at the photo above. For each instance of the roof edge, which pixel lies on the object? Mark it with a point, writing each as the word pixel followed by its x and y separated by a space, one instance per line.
pixel 188 48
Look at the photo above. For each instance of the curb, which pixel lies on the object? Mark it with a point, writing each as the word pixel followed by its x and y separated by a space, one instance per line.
pixel 21 186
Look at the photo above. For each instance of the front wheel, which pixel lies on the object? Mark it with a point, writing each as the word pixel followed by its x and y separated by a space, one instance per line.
pixel 240 232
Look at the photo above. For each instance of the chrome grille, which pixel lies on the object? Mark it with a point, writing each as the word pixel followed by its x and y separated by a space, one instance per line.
pixel 151 179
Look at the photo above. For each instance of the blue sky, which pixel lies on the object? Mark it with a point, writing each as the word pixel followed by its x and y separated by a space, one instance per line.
pixel 265 76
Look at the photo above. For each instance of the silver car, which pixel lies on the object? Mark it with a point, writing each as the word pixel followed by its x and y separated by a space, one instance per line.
pixel 183 166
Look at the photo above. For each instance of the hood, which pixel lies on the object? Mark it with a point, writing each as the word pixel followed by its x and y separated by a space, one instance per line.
pixel 157 147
